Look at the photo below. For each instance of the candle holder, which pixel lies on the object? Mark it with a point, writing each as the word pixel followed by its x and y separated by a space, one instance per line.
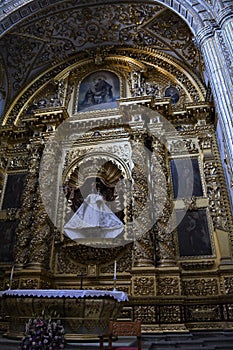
pixel 114 275
pixel 11 276
pixel 114 284
pixel 10 284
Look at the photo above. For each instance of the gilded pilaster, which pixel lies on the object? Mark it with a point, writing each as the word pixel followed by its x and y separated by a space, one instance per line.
pixel 41 242
pixel 27 214
pixel 3 165
pixel 164 239
pixel 142 224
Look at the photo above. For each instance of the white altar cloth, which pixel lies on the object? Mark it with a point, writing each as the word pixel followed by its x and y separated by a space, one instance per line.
pixel 65 293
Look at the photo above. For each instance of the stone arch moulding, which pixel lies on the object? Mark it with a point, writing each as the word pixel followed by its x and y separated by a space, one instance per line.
pixel 129 57
pixel 195 14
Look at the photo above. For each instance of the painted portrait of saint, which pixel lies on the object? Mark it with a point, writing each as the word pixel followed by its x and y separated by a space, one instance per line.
pixel 98 91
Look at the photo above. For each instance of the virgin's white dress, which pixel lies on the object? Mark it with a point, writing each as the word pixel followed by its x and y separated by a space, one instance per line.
pixel 93 219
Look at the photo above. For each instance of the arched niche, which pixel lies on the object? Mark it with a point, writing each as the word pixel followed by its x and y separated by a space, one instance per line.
pixel 97 174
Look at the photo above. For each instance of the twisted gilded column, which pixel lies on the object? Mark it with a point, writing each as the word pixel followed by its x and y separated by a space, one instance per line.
pixel 41 242
pixel 27 213
pixel 164 238
pixel 45 198
pixel 142 223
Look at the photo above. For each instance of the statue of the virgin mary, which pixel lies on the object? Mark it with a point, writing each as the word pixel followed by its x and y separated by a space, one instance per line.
pixel 93 219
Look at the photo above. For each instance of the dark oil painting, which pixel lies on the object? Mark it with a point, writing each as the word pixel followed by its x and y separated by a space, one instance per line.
pixel 7 240
pixel 193 233
pixel 186 178
pixel 13 191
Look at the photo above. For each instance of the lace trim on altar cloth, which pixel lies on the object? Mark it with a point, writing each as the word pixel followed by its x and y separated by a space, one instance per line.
pixel 63 293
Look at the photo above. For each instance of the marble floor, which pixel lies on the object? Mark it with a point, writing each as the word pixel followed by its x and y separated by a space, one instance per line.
pixel 9 344
pixel 203 340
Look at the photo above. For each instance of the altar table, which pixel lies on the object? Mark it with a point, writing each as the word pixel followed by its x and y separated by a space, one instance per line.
pixel 84 313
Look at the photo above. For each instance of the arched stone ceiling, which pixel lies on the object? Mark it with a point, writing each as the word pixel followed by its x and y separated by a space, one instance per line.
pixel 194 12
pixel 59 31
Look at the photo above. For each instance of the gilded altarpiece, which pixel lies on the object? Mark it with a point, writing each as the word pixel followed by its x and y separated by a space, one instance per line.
pixel 131 152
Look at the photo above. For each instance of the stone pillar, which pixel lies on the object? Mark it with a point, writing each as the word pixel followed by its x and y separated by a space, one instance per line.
pixel 228 38
pixel 216 46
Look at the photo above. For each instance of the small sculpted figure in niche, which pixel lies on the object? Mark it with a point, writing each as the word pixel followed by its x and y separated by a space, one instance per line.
pixel 93 218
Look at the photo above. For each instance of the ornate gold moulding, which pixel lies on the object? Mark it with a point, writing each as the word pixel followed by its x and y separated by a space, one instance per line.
pixel 85 314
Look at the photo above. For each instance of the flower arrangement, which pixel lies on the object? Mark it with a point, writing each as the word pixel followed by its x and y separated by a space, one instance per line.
pixel 43 333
